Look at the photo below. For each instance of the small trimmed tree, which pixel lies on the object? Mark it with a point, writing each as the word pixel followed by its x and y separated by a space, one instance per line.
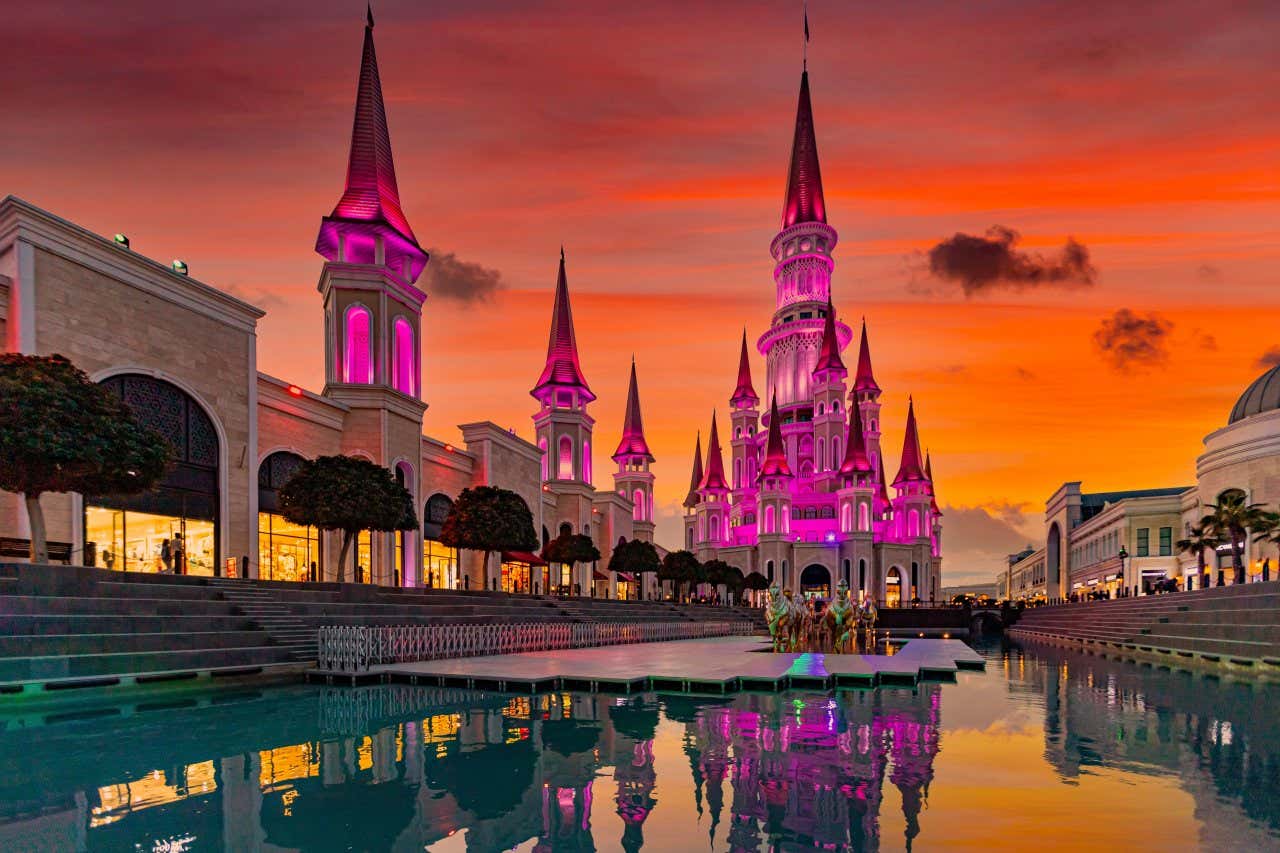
pixel 720 573
pixel 346 493
pixel 679 567
pixel 635 557
pixel 571 548
pixel 488 519
pixel 62 432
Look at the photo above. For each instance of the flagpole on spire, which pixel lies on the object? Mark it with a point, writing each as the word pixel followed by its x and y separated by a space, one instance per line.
pixel 806 37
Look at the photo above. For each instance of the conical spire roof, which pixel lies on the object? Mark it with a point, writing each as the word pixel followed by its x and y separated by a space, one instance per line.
pixel 928 475
pixel 562 369
pixel 714 478
pixel 804 202
pixel 691 499
pixel 371 194
pixel 829 355
pixel 910 470
pixel 744 393
pixel 855 447
pixel 884 483
pixel 775 454
pixel 633 443
pixel 863 380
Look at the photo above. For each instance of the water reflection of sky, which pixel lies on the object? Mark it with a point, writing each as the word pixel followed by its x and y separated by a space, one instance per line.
pixel 1048 747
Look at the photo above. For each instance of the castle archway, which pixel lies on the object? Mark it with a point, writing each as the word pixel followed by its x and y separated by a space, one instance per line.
pixel 893 588
pixel 815 580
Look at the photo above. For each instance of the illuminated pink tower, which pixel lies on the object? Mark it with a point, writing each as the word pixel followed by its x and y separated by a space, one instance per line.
pixel 633 477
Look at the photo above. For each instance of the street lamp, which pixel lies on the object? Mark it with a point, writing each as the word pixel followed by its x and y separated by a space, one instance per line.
pixel 1123 555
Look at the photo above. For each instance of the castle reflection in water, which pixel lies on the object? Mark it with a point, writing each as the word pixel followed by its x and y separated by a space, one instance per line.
pixel 401 767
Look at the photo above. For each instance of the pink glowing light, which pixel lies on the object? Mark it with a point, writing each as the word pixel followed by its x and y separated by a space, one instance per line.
pixel 357 366
pixel 402 364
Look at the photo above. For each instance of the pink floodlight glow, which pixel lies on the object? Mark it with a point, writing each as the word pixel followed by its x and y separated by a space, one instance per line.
pixel 357 363
pixel 402 362
pixel 565 471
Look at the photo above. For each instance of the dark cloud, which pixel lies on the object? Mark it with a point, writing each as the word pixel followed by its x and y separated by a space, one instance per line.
pixel 979 538
pixel 1270 358
pixel 1209 273
pixel 1024 374
pixel 1208 343
pixel 1128 341
pixel 463 281
pixel 994 261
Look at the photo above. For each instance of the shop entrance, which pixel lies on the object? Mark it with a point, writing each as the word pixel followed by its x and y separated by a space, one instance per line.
pixel 815 580
pixel 893 588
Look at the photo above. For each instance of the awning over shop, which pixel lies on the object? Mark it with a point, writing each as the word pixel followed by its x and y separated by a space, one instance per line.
pixel 600 576
pixel 522 557
pixel 623 576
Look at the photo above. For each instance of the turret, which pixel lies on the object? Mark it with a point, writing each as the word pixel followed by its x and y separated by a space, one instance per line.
pixel 744 418
pixel 865 394
pixel 775 500
pixel 691 499
pixel 828 407
pixel 633 478
pixel 911 506
pixel 562 424
pixel 713 506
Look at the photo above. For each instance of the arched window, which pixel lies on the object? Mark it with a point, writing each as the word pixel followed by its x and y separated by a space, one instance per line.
pixel 822 458
pixel 913 522
pixel 737 473
pixel 566 529
pixel 402 362
pixel 862 575
pixel 586 461
pixel 786 521
pixel 565 470
pixel 768 519
pixel 715 528
pixel 846 518
pixel 357 355
pixel 638 512
pixel 845 577
pixel 542 445
pixel 835 405
pixel 702 529
pixel 835 453
pixel 768 570
pixel 864 521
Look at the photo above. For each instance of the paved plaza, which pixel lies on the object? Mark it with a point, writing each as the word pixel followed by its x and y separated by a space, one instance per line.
pixel 714 665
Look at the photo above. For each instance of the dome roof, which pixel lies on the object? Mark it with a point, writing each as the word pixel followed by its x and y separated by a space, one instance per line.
pixel 1262 396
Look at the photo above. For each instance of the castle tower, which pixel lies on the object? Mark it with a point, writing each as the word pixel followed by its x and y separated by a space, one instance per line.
pixel 865 394
pixel 856 497
pixel 802 272
pixel 828 401
pixel 691 499
pixel 911 505
pixel 935 526
pixel 633 478
pixel 562 424
pixel 713 494
pixel 745 419
pixel 775 503
pixel 373 312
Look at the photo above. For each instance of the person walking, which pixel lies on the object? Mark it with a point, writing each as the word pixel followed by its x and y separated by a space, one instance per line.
pixel 166 556
pixel 179 555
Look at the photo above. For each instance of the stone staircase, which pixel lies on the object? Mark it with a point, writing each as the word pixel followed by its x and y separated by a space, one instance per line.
pixel 270 614
pixel 1232 626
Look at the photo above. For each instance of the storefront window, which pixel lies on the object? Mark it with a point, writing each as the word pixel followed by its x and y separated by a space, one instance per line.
pixel 144 542
pixel 364 557
pixel 516 577
pixel 286 551
pixel 439 565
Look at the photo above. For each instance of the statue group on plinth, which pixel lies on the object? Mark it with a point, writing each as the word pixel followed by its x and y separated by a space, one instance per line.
pixel 812 625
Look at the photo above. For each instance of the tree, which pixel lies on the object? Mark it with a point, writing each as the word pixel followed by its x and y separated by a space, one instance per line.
pixel 488 519
pixel 1267 530
pixel 1199 539
pixel 349 494
pixel 635 557
pixel 1232 519
pixel 679 567
pixel 62 432
pixel 571 549
pixel 720 573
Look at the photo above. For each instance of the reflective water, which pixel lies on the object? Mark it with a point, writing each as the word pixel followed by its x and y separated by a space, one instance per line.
pixel 1047 749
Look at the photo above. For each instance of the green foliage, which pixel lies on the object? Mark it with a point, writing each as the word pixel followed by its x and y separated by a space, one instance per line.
pixel 635 557
pixel 62 432
pixel 1200 538
pixel 571 548
pixel 349 494
pixel 487 518
pixel 1231 519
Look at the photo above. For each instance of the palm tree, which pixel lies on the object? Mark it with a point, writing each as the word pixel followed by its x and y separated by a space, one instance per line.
pixel 1267 529
pixel 1233 519
pixel 1200 538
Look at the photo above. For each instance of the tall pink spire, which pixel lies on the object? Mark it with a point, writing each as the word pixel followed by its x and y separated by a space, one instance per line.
pixel 855 447
pixel 744 393
pixel 691 499
pixel 775 455
pixel 863 380
pixel 370 196
pixel 928 475
pixel 804 202
pixel 632 443
pixel 884 485
pixel 562 369
pixel 829 355
pixel 714 478
pixel 910 470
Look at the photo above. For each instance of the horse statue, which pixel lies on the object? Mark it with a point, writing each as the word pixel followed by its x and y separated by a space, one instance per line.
pixel 820 636
pixel 842 619
pixel 778 613
pixel 799 622
pixel 867 621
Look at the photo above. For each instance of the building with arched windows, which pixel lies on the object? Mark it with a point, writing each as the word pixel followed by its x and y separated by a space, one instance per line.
pixel 805 501
pixel 183 355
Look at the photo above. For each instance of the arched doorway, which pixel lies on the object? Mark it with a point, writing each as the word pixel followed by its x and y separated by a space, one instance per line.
pixel 174 526
pixel 1053 562
pixel 893 588
pixel 439 561
pixel 286 551
pixel 815 580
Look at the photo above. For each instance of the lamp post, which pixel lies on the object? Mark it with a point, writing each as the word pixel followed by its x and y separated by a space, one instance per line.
pixel 1124 581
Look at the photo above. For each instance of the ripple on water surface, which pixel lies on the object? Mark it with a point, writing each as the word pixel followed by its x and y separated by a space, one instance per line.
pixel 1049 748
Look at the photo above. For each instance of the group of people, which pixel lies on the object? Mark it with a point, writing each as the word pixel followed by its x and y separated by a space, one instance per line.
pixel 813 625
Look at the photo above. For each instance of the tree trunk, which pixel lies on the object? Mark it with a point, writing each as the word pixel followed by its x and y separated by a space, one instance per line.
pixel 35 518
pixel 347 536
pixel 1237 557
pixel 484 571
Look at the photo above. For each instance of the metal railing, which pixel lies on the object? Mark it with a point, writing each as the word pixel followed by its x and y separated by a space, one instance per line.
pixel 353 649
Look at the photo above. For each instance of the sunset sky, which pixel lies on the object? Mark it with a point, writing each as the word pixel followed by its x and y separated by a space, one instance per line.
pixel 652 141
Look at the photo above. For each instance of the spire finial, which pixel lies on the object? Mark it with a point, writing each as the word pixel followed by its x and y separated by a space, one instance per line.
pixel 562 253
pixel 805 64
pixel 369 18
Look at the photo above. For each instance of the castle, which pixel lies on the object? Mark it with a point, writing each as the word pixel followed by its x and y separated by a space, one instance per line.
pixel 808 504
